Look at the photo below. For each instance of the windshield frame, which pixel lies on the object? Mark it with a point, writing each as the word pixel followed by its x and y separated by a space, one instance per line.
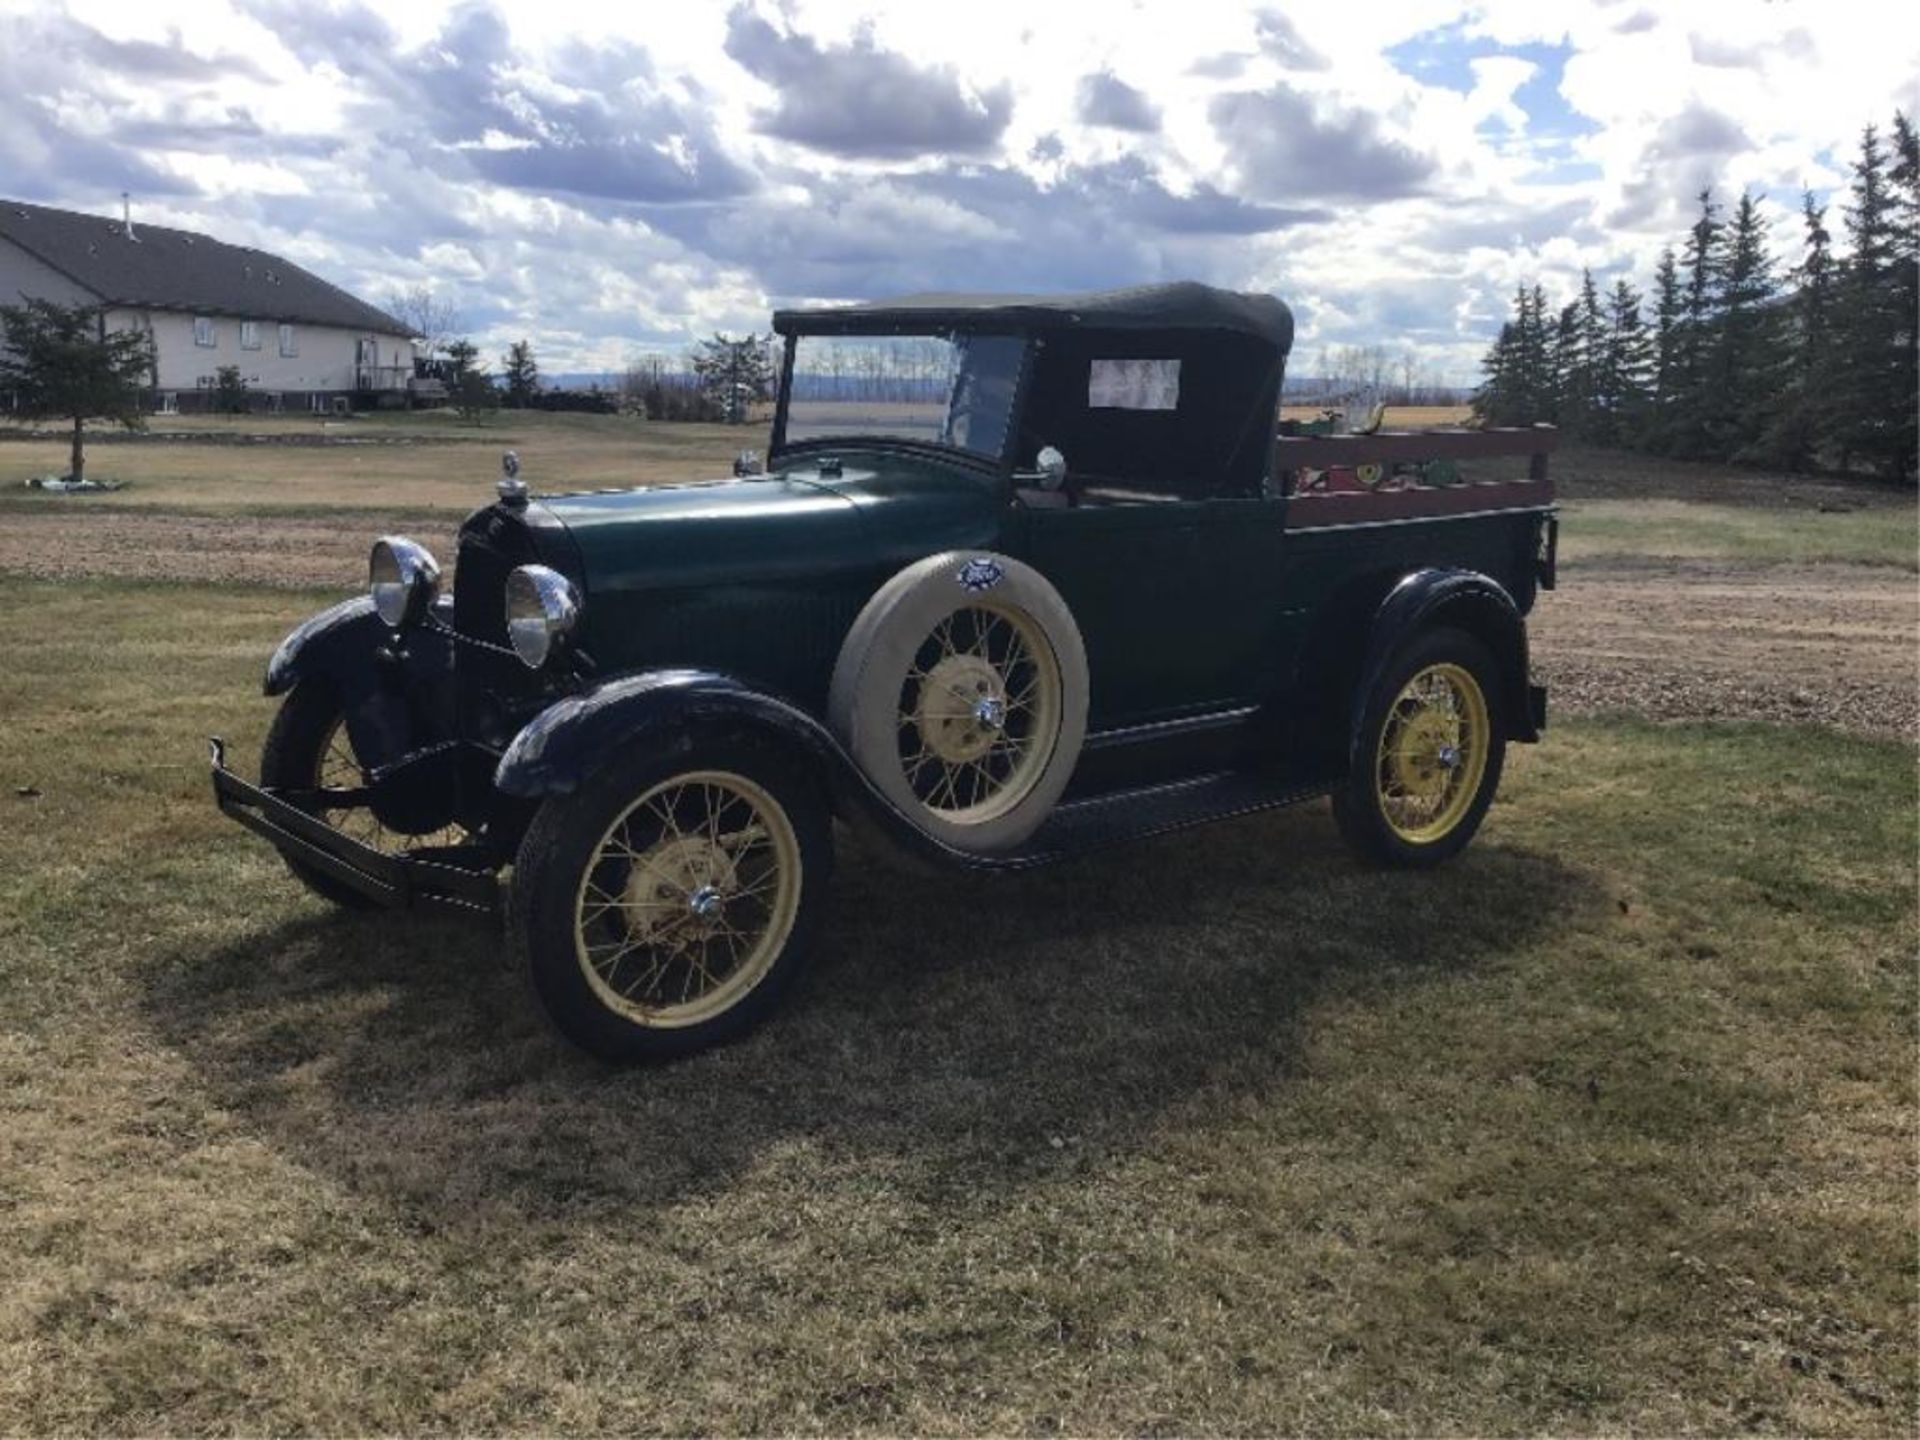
pixel 1000 462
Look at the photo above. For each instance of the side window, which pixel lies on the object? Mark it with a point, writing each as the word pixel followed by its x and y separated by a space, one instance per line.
pixel 249 334
pixel 289 342
pixel 203 335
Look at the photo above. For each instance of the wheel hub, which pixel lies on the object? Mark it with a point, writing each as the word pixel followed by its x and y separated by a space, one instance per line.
pixel 962 708
pixel 676 891
pixel 1428 754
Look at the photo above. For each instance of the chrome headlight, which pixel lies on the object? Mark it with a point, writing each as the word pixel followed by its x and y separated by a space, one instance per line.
pixel 542 606
pixel 404 579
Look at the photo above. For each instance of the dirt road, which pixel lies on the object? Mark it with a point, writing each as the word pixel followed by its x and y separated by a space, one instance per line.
pixel 1833 644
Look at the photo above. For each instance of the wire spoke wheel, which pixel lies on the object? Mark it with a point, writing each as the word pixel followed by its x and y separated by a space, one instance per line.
pixel 978 713
pixel 687 900
pixel 337 768
pixel 1432 753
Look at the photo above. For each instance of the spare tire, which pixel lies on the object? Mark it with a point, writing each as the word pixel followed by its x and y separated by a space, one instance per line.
pixel 961 690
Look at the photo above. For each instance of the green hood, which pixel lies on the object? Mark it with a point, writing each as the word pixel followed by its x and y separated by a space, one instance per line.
pixel 880 511
pixel 761 577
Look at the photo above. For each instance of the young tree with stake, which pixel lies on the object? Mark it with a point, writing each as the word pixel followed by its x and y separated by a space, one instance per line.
pixel 60 362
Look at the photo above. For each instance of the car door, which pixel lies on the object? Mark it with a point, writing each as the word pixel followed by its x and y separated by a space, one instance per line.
pixel 1147 597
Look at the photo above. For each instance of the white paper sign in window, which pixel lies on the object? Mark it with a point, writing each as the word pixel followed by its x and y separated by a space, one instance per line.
pixel 1133 385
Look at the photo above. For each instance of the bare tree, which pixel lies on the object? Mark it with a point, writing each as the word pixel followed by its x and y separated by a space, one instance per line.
pixel 434 320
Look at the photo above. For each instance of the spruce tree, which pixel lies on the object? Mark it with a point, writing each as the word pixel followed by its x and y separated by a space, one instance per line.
pixel 1803 417
pixel 1905 178
pixel 1666 349
pixel 1536 359
pixel 1688 426
pixel 1493 401
pixel 1744 382
pixel 1626 370
pixel 1873 333
pixel 1569 381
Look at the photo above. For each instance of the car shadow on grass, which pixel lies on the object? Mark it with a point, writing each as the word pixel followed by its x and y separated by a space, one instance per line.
pixel 961 1035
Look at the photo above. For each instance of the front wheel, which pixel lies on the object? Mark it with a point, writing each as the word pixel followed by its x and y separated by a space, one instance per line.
pixel 308 758
pixel 1428 759
pixel 667 905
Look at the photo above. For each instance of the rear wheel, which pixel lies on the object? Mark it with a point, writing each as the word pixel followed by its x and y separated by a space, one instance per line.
pixel 668 905
pixel 1431 747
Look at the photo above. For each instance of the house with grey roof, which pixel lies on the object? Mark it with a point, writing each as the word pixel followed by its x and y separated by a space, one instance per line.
pixel 299 341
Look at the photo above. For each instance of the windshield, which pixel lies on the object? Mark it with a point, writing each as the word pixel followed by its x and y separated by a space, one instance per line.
pixel 938 389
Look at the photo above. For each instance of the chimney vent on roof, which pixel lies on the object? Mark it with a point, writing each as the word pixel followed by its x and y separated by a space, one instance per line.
pixel 126 215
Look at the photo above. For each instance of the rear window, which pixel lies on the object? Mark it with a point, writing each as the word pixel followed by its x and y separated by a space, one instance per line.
pixel 1133 385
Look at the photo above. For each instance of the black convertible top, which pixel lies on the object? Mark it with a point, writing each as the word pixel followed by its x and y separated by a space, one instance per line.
pixel 1182 305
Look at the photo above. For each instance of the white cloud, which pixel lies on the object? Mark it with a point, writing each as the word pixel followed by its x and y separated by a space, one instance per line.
pixel 604 178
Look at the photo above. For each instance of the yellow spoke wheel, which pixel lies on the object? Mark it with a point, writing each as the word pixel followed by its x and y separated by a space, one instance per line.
pixel 667 903
pixel 979 712
pixel 687 899
pixel 961 693
pixel 1427 754
pixel 1432 753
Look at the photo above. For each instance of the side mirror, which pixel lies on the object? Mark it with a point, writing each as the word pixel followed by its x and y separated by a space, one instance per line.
pixel 1052 466
pixel 746 463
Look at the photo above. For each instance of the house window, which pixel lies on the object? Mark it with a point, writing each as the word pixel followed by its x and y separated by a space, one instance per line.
pixel 203 335
pixel 249 335
pixel 289 342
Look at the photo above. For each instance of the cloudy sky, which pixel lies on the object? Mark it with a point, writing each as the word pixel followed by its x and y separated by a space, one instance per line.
pixel 609 179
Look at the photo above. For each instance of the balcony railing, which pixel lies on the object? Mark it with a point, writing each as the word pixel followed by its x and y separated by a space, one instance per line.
pixel 381 377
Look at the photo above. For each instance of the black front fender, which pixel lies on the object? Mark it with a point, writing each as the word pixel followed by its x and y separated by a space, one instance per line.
pixel 395 689
pixel 324 642
pixel 572 738
pixel 1466 600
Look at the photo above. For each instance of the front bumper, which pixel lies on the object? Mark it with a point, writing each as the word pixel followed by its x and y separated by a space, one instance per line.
pixel 395 881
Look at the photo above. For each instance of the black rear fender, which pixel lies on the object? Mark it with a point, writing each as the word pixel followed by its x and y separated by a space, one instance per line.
pixel 1461 600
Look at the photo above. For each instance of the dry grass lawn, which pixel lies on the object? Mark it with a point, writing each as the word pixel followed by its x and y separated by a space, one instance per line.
pixel 1609 1126
pixel 395 463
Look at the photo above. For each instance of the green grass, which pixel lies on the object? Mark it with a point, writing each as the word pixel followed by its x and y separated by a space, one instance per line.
pixel 1608 1126
pixel 1681 529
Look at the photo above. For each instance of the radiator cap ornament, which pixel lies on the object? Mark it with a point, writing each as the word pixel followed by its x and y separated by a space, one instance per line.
pixel 513 490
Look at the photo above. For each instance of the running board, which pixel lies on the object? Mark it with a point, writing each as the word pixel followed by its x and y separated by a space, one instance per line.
pixel 1119 816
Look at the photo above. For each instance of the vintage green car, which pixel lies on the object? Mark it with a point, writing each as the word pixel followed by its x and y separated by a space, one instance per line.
pixel 1023 576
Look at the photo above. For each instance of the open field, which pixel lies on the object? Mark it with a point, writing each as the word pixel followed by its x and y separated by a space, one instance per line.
pixel 415 464
pixel 1398 417
pixel 1690 591
pixel 1608 1126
